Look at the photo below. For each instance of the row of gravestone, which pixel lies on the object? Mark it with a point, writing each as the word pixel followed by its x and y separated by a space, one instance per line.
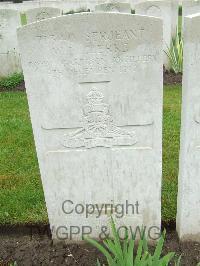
pixel 95 91
pixel 10 21
pixel 66 4
pixel 62 4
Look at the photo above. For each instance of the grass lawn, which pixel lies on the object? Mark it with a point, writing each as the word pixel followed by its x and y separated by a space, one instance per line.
pixel 21 194
pixel 171 138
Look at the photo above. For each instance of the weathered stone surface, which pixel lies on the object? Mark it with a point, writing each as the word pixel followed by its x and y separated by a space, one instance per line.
pixel 188 214
pixel 189 8
pixel 114 7
pixel 9 55
pixel 65 5
pixel 37 14
pixel 168 11
pixel 94 85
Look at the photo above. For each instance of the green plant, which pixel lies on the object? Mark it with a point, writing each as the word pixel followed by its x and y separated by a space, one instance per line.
pixel 175 53
pixel 79 10
pixel 13 264
pixel 119 253
pixel 178 262
pixel 11 81
pixel 180 10
pixel 23 19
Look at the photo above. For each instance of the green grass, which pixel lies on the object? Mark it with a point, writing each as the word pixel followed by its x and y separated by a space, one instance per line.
pixel 10 82
pixel 21 194
pixel 171 137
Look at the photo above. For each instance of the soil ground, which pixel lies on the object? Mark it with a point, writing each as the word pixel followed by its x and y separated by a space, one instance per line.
pixel 20 87
pixel 32 245
pixel 169 78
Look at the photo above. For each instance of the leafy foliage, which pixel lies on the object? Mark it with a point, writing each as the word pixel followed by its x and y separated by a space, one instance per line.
pixel 10 82
pixel 118 253
pixel 13 264
pixel 79 10
pixel 175 53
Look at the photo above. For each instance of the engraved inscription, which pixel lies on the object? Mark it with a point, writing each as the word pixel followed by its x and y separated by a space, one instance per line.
pixel 96 63
pixel 154 11
pixel 101 64
pixel 104 52
pixel 98 128
pixel 3 21
pixel 103 37
pixel 42 15
pixel 111 7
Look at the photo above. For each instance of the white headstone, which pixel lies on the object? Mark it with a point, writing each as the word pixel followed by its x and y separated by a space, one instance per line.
pixel 114 7
pixel 188 214
pixel 135 2
pixel 94 85
pixel 189 8
pixel 168 11
pixel 38 14
pixel 65 5
pixel 9 55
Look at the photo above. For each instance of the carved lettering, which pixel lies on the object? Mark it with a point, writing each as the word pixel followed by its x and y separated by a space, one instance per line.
pixel 113 35
pixel 42 15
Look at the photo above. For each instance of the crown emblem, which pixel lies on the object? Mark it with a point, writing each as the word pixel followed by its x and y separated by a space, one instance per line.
pixel 98 128
pixel 94 96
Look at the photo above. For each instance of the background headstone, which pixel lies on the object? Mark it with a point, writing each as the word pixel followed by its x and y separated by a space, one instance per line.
pixel 189 8
pixel 94 85
pixel 37 14
pixel 168 11
pixel 188 213
pixel 114 7
pixel 9 54
pixel 65 5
